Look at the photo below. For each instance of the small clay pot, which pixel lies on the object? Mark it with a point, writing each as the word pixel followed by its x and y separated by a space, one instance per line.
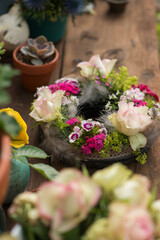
pixel 117 6
pixel 5 162
pixel 34 76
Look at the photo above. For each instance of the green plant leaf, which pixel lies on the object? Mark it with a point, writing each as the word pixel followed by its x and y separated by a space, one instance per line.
pixel 31 151
pixel 47 171
pixel 9 125
pixel 5 98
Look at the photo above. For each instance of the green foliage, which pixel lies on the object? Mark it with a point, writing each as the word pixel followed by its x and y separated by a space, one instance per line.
pixel 141 157
pixel 121 80
pixel 6 73
pixel 45 170
pixel 31 151
pixel 9 125
pixel 150 101
pixel 114 141
pixel 53 10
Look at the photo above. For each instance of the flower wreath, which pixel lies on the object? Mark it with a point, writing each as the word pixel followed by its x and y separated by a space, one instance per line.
pixel 101 113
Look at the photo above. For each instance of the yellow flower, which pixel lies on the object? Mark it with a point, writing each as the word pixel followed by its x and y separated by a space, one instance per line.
pixel 22 137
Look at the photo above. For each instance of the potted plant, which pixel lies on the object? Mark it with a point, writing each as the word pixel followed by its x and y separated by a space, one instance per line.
pixel 36 61
pixel 117 6
pixel 113 204
pixel 49 18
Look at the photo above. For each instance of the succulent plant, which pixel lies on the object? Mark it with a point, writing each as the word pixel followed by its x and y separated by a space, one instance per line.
pixel 38 49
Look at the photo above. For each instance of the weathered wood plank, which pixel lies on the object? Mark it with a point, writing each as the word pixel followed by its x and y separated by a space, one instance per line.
pixel 130 37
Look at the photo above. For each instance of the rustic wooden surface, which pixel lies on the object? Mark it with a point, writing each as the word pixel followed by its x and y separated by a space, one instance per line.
pixel 130 37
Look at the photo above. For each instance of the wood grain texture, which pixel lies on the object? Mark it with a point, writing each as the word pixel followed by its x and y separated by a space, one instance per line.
pixel 131 38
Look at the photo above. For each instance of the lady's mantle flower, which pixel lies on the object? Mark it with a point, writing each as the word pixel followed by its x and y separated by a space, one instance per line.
pixel 34 4
pixel 22 137
pixel 96 66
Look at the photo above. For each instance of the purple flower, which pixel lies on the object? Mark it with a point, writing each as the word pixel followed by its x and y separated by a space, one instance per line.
pixel 73 137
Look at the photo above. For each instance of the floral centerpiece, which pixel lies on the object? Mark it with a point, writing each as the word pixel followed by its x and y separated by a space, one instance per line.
pixel 106 112
pixel 113 204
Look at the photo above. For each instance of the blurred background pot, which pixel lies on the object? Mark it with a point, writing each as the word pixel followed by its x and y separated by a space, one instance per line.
pixel 18 179
pixel 5 5
pixel 117 6
pixel 35 76
pixel 52 30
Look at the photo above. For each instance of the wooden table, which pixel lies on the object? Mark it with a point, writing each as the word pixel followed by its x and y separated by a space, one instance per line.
pixel 130 37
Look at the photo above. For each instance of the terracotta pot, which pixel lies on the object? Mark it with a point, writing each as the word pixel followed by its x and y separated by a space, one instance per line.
pixel 35 76
pixel 5 162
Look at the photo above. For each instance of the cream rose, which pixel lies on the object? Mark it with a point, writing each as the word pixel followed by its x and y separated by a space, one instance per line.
pixel 134 191
pixel 47 106
pixel 67 201
pixel 96 65
pixel 129 119
pixel 112 177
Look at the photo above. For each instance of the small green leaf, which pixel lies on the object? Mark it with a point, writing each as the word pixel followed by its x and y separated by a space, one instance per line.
pixel 36 61
pixel 31 151
pixel 47 171
pixel 9 125
pixel 5 98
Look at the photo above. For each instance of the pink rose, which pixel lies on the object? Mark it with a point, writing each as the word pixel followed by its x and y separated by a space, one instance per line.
pixel 130 223
pixel 96 65
pixel 67 201
pixel 129 119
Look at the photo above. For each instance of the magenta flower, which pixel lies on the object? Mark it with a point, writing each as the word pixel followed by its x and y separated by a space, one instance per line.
pixel 144 88
pixel 68 87
pixel 87 125
pixel 73 137
pixel 72 121
pixel 139 103
pixel 86 150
